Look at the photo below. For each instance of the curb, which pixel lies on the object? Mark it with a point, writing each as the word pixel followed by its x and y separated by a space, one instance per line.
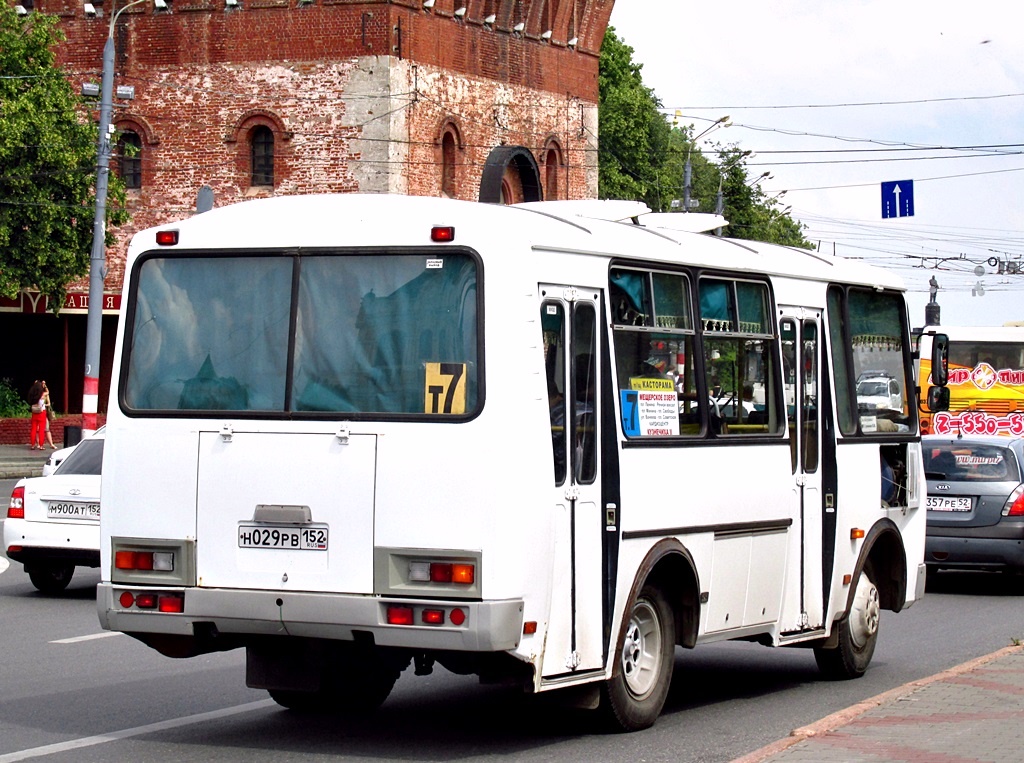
pixel 17 472
pixel 843 717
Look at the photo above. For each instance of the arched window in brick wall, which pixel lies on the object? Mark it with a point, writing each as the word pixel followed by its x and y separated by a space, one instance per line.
pixel 551 158
pixel 261 154
pixel 450 141
pixel 448 165
pixel 129 158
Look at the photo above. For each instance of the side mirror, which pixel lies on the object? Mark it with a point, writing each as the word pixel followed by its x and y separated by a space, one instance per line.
pixel 938 399
pixel 940 365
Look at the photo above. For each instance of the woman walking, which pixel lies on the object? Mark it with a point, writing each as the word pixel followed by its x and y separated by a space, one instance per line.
pixel 38 426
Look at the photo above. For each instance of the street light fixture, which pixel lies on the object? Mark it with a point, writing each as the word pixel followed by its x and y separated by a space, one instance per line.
pixel 687 168
pixel 98 257
pixel 763 176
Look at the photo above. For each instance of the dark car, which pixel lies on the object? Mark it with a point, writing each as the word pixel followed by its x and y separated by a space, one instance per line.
pixel 975 502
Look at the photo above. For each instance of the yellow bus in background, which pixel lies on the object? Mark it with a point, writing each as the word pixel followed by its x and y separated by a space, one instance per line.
pixel 986 381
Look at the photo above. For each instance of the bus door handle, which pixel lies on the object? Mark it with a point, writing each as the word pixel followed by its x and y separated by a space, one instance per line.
pixel 572 493
pixel 343 433
pixel 226 432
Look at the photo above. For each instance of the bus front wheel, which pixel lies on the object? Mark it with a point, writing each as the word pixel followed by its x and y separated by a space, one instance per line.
pixel 858 633
pixel 635 694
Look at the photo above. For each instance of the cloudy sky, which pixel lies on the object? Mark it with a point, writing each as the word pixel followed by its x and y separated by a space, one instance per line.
pixel 837 98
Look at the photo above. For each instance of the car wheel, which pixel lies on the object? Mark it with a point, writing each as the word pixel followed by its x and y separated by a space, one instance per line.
pixel 633 697
pixel 858 634
pixel 51 578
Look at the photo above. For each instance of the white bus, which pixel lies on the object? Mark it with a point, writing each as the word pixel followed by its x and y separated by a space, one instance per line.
pixel 350 433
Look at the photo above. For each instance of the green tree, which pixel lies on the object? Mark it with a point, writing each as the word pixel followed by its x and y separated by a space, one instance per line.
pixel 48 147
pixel 633 135
pixel 642 157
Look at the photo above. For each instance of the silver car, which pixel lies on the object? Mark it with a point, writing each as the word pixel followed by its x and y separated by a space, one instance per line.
pixel 975 502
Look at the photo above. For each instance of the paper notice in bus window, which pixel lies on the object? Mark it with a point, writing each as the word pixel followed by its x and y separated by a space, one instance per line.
pixel 445 388
pixel 435 264
pixel 653 413
pixel 645 383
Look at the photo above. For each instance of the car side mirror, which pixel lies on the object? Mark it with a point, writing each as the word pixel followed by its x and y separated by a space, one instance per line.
pixel 940 364
pixel 938 399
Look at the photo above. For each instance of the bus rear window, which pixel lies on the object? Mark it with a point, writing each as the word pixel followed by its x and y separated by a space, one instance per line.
pixel 322 333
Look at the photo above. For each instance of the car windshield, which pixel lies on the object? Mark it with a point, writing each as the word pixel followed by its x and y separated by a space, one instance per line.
pixel 86 458
pixel 971 463
pixel 873 389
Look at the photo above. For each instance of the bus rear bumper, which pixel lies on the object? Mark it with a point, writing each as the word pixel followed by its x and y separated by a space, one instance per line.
pixel 233 614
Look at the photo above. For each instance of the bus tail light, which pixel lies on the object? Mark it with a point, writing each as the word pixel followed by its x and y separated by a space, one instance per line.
pixel 173 602
pixel 400 615
pixel 16 508
pixel 145 561
pixel 1014 506
pixel 406 614
pixel 442 572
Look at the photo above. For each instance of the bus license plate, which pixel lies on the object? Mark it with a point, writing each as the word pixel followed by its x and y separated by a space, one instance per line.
pixel 948 503
pixel 72 510
pixel 287 538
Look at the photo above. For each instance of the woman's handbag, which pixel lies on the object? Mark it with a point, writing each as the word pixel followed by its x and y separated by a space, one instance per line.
pixel 36 408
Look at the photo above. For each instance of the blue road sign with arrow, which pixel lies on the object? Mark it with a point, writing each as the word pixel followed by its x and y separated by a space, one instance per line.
pixel 898 199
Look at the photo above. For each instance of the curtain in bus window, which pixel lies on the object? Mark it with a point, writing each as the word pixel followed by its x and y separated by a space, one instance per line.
pixel 671 301
pixel 209 334
pixel 386 334
pixel 752 299
pixel 630 303
pixel 715 309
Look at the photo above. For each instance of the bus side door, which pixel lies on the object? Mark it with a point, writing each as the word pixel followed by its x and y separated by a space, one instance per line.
pixel 574 640
pixel 801 346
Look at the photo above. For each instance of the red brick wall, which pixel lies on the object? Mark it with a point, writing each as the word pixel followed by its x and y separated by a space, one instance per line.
pixel 356 94
pixel 15 431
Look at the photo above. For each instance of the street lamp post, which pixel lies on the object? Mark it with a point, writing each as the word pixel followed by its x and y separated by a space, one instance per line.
pixel 98 258
pixel 687 167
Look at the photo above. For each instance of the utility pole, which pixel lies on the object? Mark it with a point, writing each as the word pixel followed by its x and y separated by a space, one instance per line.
pixel 98 257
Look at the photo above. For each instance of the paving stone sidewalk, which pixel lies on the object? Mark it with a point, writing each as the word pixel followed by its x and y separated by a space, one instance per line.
pixel 968 714
pixel 18 461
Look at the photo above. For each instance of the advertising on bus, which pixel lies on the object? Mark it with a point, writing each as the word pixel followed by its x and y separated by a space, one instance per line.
pixel 986 381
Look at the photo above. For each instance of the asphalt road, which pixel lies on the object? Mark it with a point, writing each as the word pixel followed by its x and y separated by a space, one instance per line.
pixel 71 692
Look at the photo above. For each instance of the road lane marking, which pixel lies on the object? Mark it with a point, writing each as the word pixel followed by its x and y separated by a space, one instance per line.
pixel 4 564
pixel 114 736
pixel 90 637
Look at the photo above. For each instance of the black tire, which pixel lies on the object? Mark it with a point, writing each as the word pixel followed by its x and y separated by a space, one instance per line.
pixel 350 686
pixel 632 699
pixel 51 578
pixel 858 634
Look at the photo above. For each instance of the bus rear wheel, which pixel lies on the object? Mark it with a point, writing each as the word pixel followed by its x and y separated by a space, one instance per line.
pixel 858 634
pixel 633 697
